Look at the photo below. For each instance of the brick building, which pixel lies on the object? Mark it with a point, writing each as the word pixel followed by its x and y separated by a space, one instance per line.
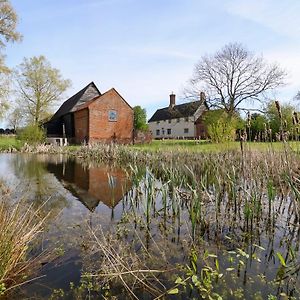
pixel 90 116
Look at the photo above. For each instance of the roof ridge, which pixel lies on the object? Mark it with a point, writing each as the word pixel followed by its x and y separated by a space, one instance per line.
pixel 178 111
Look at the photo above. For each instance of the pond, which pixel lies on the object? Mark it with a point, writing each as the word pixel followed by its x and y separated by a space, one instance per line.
pixel 153 221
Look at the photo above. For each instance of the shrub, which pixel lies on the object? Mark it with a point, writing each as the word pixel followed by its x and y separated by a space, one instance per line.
pixel 32 134
pixel 220 126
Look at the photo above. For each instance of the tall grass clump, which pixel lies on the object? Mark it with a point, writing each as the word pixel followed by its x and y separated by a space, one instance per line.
pixel 19 227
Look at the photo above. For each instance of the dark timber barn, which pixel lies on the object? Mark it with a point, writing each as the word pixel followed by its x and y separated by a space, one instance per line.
pixel 90 116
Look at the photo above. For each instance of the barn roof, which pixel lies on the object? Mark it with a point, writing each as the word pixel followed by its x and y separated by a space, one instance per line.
pixel 178 111
pixel 86 94
pixel 88 103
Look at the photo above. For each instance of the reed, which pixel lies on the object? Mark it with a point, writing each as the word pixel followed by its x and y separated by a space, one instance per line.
pixel 19 227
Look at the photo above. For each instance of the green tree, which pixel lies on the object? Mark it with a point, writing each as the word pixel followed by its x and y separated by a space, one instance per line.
pixel 233 76
pixel 272 115
pixel 8 33
pixel 257 125
pixel 140 118
pixel 39 86
pixel 221 126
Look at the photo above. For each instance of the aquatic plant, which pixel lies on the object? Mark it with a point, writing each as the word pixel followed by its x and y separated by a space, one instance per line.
pixel 19 227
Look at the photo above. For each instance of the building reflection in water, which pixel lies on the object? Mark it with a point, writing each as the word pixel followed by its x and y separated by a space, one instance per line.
pixel 92 185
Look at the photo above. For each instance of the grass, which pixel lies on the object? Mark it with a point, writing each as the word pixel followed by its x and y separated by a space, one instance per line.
pixel 18 229
pixel 205 146
pixel 9 142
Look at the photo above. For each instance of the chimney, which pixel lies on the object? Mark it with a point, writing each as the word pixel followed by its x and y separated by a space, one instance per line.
pixel 172 100
pixel 202 97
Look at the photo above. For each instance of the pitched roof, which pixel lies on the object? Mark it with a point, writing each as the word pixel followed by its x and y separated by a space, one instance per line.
pixel 87 93
pixel 178 111
pixel 87 103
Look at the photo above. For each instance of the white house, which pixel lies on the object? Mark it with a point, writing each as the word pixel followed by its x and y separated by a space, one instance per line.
pixel 179 121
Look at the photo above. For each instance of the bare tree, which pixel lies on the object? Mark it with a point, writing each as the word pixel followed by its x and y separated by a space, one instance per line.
pixel 15 118
pixel 232 76
pixel 39 87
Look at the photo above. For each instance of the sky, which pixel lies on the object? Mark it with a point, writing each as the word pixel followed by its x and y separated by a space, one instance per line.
pixel 147 49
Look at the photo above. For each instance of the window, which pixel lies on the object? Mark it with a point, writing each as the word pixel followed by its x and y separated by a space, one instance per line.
pixel 163 131
pixel 112 115
pixel 157 122
pixel 186 130
pixel 157 132
pixel 168 131
pixel 170 121
pixel 178 120
pixel 186 119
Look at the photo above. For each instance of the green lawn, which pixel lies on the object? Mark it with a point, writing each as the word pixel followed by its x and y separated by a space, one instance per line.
pixel 204 146
pixel 8 142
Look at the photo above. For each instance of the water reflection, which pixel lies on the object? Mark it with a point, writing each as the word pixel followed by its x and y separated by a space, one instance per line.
pixel 92 185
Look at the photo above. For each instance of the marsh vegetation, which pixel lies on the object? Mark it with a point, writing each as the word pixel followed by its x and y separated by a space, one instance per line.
pixel 163 224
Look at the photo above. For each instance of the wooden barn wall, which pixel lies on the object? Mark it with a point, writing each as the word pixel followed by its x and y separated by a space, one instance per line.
pixel 68 120
pixel 54 127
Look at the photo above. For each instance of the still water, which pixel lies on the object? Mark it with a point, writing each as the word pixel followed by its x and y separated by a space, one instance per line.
pixel 73 194
pixel 76 194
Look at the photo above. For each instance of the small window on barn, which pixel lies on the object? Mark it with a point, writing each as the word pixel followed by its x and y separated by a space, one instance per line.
pixel 169 131
pixel 187 119
pixel 157 132
pixel 157 122
pixel 112 115
pixel 170 121
pixel 186 130
pixel 178 120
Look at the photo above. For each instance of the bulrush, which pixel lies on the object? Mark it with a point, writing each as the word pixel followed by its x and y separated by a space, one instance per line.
pixel 278 109
pixel 248 119
pixel 295 116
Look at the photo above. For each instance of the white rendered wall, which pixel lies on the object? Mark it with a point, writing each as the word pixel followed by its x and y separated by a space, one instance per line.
pixel 177 128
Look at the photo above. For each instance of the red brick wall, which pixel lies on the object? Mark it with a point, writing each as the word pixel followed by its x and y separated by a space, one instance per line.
pixel 103 130
pixel 81 123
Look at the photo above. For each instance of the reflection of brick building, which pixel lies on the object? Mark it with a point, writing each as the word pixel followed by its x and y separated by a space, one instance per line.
pixel 92 116
pixel 92 185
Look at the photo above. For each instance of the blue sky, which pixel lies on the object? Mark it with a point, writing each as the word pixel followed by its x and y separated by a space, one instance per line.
pixel 147 48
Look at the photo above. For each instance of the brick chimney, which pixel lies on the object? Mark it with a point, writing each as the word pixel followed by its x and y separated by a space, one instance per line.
pixel 172 100
pixel 202 97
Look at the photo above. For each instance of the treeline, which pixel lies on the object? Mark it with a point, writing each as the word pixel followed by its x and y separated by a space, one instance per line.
pixel 276 122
